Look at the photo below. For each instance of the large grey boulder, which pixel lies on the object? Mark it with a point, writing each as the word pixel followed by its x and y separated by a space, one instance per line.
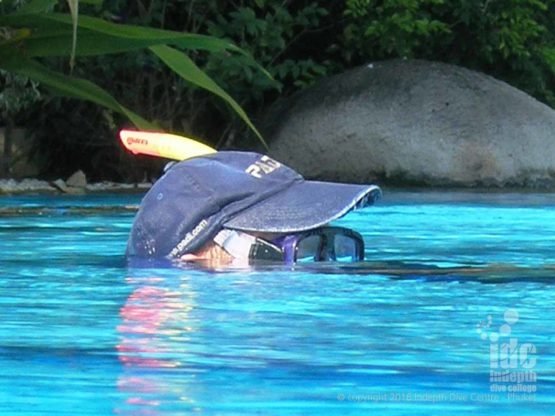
pixel 415 122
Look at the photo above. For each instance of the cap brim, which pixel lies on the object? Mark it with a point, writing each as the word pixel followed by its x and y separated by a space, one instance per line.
pixel 304 206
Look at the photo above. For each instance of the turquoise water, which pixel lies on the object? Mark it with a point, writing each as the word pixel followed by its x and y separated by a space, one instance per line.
pixel 456 286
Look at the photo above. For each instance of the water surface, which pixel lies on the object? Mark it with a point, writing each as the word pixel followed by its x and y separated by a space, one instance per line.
pixel 456 286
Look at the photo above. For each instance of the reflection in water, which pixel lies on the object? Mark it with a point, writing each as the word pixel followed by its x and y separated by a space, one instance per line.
pixel 242 343
pixel 153 318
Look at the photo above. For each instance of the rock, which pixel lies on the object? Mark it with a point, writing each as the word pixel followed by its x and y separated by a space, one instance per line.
pixel 11 186
pixel 36 186
pixel 61 185
pixel 77 180
pixel 415 122
pixel 119 187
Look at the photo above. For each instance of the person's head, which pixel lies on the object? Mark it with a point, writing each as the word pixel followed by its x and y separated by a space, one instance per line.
pixel 245 206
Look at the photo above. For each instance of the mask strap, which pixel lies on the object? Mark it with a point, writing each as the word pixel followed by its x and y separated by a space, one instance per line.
pixel 237 244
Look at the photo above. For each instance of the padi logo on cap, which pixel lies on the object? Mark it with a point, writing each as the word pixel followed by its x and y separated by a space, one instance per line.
pixel 263 166
pixel 190 236
pixel 135 140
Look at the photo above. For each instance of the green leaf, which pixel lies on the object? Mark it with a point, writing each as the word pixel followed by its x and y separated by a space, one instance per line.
pixel 99 37
pixel 69 86
pixel 56 22
pixel 182 65
pixel 107 37
pixel 548 54
pixel 74 10
pixel 37 6
pixel 52 34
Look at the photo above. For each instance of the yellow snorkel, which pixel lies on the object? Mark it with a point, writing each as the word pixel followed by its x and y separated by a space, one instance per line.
pixel 170 146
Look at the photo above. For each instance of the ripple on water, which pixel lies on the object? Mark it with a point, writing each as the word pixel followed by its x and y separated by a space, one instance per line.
pixel 406 332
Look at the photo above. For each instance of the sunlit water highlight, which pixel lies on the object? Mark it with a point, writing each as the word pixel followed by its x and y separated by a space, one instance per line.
pixel 416 329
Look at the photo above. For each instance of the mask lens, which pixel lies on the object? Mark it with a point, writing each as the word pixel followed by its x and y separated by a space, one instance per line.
pixel 308 249
pixel 322 244
pixel 345 248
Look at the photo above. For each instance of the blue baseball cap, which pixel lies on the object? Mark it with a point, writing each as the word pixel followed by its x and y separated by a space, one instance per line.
pixel 197 198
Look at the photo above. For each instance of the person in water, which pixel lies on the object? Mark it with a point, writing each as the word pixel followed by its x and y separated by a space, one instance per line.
pixel 242 208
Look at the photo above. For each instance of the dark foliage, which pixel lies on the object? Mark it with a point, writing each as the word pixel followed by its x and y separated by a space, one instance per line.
pixel 297 42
